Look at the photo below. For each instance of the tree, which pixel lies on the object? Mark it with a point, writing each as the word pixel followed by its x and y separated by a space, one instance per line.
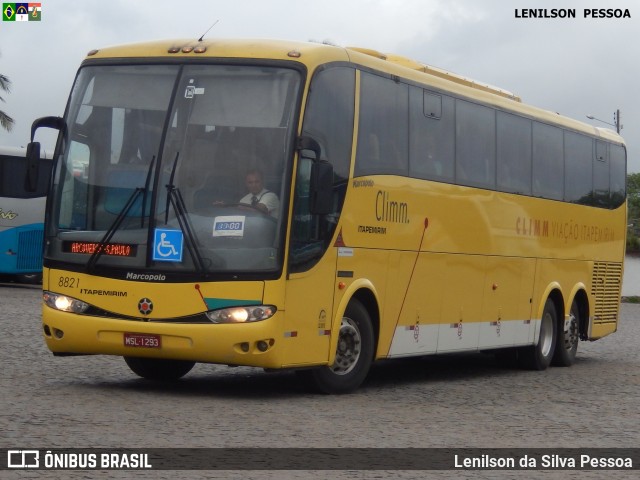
pixel 5 120
pixel 633 195
pixel 633 188
pixel 633 200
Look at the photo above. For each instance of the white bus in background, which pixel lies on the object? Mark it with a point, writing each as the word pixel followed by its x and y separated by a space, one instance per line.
pixel 22 214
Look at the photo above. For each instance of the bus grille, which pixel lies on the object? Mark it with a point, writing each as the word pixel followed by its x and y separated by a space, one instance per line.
pixel 605 288
pixel 29 251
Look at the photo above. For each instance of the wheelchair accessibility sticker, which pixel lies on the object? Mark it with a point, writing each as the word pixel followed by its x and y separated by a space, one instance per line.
pixel 167 245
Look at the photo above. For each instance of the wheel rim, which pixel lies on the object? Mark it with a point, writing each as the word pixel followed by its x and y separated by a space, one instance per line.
pixel 546 334
pixel 349 347
pixel 571 332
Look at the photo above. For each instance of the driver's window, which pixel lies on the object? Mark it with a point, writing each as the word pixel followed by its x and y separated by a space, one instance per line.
pixel 329 121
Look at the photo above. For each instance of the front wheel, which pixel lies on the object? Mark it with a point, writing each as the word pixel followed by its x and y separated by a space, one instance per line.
pixel 354 354
pixel 568 336
pixel 538 357
pixel 159 369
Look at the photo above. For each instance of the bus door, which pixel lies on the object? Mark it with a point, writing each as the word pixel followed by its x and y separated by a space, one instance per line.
pixel 328 123
pixel 311 280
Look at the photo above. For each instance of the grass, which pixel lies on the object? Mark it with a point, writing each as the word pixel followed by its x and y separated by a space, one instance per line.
pixel 633 299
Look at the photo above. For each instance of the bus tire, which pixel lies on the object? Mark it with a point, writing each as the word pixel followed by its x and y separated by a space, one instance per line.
pixel 568 336
pixel 159 369
pixel 354 354
pixel 538 357
pixel 30 278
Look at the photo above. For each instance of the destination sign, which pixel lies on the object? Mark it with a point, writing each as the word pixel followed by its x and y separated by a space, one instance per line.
pixel 109 249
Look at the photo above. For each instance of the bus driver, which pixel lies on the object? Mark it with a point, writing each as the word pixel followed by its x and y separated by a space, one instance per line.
pixel 258 196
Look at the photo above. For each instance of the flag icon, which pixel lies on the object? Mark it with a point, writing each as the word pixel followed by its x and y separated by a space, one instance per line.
pixel 8 12
pixel 35 12
pixel 22 12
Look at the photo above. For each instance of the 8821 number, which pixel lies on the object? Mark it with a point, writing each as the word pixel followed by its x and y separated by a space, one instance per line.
pixel 69 282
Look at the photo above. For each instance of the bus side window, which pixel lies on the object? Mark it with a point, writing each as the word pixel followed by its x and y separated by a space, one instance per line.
pixel 475 145
pixel 578 170
pixel 383 146
pixel 601 175
pixel 431 139
pixel 618 177
pixel 548 161
pixel 513 153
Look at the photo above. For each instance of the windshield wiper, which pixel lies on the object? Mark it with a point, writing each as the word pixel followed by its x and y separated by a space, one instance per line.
pixel 174 197
pixel 120 218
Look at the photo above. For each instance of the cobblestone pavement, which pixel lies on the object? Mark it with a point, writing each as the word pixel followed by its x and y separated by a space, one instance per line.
pixel 450 401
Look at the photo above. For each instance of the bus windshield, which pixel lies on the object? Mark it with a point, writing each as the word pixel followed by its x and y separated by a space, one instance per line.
pixel 173 167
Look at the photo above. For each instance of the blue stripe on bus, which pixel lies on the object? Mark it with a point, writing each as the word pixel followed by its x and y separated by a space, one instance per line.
pixel 216 303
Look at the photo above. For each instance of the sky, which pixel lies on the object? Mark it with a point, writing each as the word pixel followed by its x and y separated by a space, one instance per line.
pixel 574 66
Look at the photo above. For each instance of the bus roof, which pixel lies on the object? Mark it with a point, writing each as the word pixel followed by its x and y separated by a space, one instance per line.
pixel 315 54
pixel 226 48
pixel 437 72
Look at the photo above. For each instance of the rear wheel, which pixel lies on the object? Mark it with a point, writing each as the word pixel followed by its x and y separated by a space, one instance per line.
pixel 538 357
pixel 354 354
pixel 568 336
pixel 158 368
pixel 30 278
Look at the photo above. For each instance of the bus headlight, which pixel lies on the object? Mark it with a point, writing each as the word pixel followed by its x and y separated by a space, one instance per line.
pixel 64 303
pixel 254 313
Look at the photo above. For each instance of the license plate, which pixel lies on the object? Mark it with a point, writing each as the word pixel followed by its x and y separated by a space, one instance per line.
pixel 142 340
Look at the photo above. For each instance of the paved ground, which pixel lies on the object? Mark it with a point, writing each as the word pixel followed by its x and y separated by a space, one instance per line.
pixel 452 401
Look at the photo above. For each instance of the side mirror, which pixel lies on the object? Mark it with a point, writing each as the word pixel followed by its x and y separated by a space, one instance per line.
pixel 321 188
pixel 33 167
pixel 56 123
pixel 33 149
pixel 308 143
pixel 321 181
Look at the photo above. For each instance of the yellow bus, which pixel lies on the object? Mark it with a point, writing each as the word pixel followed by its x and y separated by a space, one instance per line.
pixel 412 212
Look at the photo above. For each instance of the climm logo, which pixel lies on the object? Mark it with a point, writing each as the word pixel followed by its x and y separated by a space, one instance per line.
pixel 532 227
pixel 388 210
pixel 7 215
